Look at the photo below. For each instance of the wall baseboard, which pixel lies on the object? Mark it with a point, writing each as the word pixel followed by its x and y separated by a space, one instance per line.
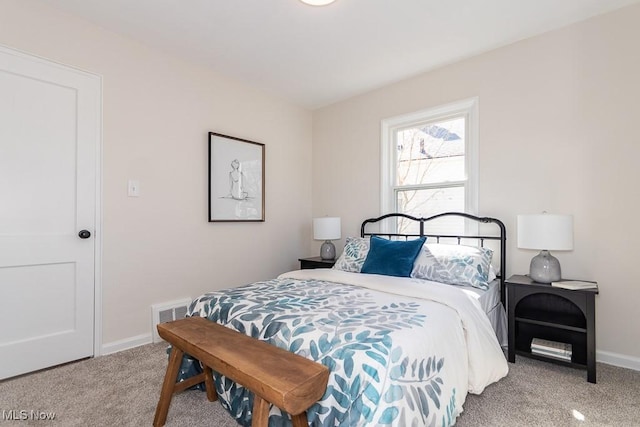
pixel 125 344
pixel 621 360
pixel 615 359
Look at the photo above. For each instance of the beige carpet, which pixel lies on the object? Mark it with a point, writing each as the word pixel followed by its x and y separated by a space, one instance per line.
pixel 122 390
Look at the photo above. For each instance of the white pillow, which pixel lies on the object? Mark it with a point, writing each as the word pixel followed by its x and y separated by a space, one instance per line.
pixel 454 265
pixel 492 274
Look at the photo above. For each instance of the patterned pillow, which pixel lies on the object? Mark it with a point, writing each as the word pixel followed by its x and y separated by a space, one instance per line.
pixel 354 254
pixel 454 265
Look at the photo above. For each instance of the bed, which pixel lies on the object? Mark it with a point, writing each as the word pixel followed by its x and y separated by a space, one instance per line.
pixel 403 349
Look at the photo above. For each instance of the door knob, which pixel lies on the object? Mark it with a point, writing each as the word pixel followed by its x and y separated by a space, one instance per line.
pixel 84 234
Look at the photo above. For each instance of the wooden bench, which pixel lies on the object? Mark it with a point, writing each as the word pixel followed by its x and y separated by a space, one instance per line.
pixel 275 376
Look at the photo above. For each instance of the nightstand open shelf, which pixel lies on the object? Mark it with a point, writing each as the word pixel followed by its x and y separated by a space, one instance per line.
pixel 526 331
pixel 537 310
pixel 548 359
pixel 553 320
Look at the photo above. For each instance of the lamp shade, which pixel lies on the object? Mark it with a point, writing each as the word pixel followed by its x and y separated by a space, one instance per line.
pixel 326 228
pixel 545 231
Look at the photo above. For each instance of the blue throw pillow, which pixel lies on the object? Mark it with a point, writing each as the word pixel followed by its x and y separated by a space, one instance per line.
pixel 392 257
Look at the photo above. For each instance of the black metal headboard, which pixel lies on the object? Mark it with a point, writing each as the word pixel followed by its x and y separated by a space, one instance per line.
pixel 502 238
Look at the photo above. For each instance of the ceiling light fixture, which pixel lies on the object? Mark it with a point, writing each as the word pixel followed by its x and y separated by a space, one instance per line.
pixel 317 2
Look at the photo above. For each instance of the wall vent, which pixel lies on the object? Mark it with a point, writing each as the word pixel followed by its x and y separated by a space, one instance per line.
pixel 167 312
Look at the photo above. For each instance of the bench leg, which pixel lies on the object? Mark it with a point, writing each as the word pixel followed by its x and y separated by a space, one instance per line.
pixel 300 420
pixel 175 360
pixel 260 415
pixel 209 385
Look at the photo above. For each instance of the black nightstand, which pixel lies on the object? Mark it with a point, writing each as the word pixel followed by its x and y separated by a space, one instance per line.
pixel 316 262
pixel 538 310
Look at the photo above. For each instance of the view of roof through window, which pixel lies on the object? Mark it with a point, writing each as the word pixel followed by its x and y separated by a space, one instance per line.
pixel 430 168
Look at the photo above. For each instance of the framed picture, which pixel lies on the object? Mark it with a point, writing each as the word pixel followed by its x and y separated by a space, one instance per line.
pixel 236 179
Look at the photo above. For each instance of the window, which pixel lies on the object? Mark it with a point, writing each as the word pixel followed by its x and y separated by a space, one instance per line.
pixel 429 164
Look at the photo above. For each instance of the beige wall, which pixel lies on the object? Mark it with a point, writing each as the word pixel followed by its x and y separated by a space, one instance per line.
pixel 157 112
pixel 557 117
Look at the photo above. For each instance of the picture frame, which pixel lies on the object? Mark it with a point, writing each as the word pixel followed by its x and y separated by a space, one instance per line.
pixel 236 179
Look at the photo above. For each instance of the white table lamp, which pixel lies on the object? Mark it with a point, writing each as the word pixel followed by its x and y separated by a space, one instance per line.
pixel 327 229
pixel 545 232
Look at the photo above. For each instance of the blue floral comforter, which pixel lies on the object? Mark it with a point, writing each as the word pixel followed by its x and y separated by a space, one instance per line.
pixel 401 351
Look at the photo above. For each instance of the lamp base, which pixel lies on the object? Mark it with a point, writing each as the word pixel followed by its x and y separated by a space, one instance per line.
pixel 544 268
pixel 328 250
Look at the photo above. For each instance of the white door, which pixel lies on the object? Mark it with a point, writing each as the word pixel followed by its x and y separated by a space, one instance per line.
pixel 49 140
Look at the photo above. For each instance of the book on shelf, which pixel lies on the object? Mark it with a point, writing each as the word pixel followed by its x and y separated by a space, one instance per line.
pixel 574 284
pixel 551 348
pixel 558 356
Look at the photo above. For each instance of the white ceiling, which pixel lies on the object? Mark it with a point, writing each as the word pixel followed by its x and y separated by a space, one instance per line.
pixel 315 56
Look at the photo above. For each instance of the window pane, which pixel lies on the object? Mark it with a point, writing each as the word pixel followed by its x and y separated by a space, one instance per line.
pixel 429 202
pixel 431 153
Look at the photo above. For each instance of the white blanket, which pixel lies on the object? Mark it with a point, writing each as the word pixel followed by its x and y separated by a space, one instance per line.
pixel 487 363
pixel 401 351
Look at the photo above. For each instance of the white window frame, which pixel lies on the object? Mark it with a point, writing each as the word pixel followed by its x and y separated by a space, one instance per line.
pixel 388 155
